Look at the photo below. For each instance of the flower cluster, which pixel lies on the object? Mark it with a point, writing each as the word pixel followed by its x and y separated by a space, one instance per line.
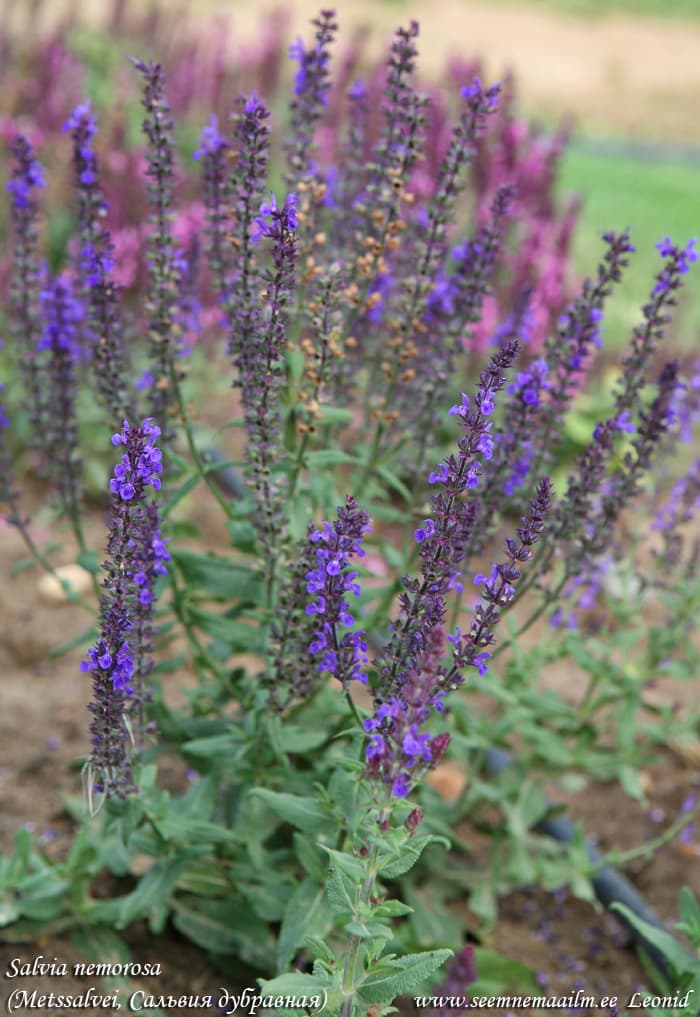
pixel 120 660
pixel 498 591
pixel 163 262
pixel 28 173
pixel 27 178
pixel 442 540
pixel 344 657
pixel 104 328
pixel 63 313
pixel 311 85
pixel 140 464
pixel 263 375
pixel 397 752
pixel 307 637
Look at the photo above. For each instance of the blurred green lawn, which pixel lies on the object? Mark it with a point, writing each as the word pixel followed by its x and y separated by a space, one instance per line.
pixel 655 198
pixel 685 9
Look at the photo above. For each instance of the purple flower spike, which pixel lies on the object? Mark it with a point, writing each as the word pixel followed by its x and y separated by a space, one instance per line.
pixel 311 86
pixel 120 660
pixel 211 140
pixel 25 285
pixel 442 539
pixel 331 580
pixel 140 464
pixel 63 313
pixel 103 328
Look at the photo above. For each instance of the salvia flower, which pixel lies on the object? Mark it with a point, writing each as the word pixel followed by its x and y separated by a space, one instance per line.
pixel 262 370
pixel 164 276
pixel 27 178
pixel 313 632
pixel 343 656
pixel 398 751
pixel 498 590
pixel 148 556
pixel 213 153
pixel 140 464
pixel 28 174
pixel 452 992
pixel 240 293
pixel 63 313
pixel 103 325
pixel 656 316
pixel 135 555
pixel 442 538
pixel 311 85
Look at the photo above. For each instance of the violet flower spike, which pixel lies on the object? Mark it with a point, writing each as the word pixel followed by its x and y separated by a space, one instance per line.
pixel 311 86
pixel 263 374
pixel 135 553
pixel 343 656
pixel 25 283
pixel 63 313
pixel 498 591
pixel 103 326
pixel 213 153
pixel 398 752
pixel 148 557
pixel 443 537
pixel 243 311
pixel 164 275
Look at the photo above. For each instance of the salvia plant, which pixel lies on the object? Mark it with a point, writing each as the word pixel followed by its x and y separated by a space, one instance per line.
pixel 388 469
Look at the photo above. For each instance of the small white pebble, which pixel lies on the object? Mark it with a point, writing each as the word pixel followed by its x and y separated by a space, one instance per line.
pixel 52 592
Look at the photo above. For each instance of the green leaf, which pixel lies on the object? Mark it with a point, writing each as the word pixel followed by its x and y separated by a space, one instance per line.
pixel 179 493
pixel 401 975
pixel 690 916
pixel 341 892
pixel 392 909
pixel 294 738
pixel 214 746
pixel 19 862
pixel 183 830
pixel 681 960
pixel 308 856
pixel 334 414
pixel 406 854
pixel 84 639
pixel 9 908
pixel 395 482
pixel 303 813
pixel 323 457
pixel 297 984
pixel 151 898
pixel 220 577
pixel 239 637
pixel 90 561
pixel 224 927
pixel 497 973
pixel 306 914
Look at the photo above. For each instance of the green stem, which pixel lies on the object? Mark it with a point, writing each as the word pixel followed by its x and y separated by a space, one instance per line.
pixel 355 945
pixel 619 858
pixel 73 597
pixel 195 642
pixel 201 466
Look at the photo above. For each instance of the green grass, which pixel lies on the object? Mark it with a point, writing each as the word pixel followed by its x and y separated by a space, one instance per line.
pixel 654 198
pixel 675 9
